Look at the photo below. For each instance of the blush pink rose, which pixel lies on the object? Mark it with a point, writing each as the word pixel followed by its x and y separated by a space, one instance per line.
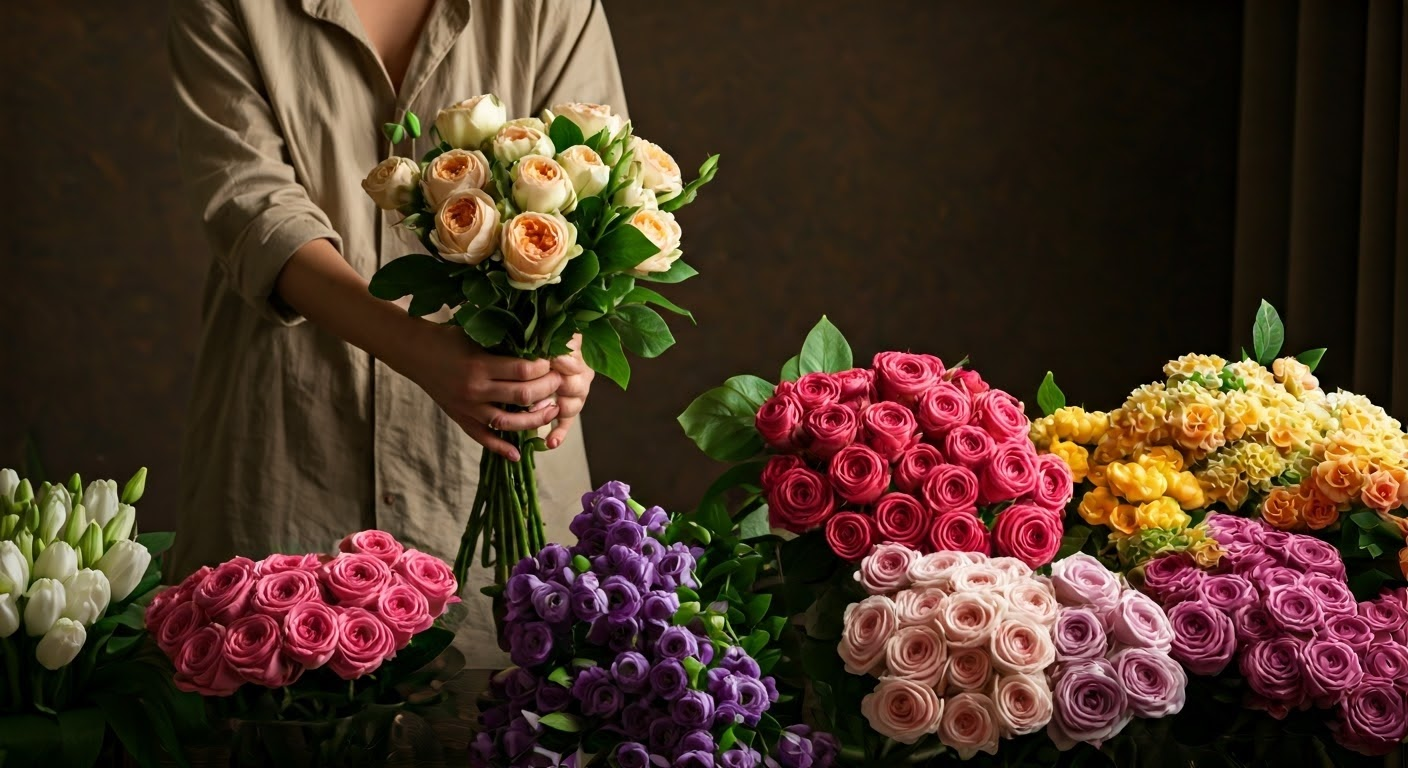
pixel 890 429
pixel 850 535
pixel 829 429
pixel 431 576
pixel 254 649
pixel 778 466
pixel 355 580
pixel 1022 704
pixel 363 643
pixel 969 669
pixel 902 709
pixel 310 634
pixel 969 447
pixel 933 569
pixel 279 563
pixel 405 612
pixel 1022 646
pixel 200 664
pixel 224 594
pixel 950 488
pixel 1137 621
pixel 869 625
pixel 1053 488
pixel 942 409
pixel 903 377
pixel 779 421
pixel 801 500
pixel 979 577
pixel 1014 568
pixel 1001 415
pixel 886 569
pixel 180 623
pixel 1011 473
pixel 276 593
pixel 901 519
pixel 916 653
pixel 815 390
pixel 1029 533
pixel 1033 598
pixel 379 544
pixel 969 725
pixel 858 474
pixel 968 619
pixel 915 466
pixel 960 532
pixel 919 606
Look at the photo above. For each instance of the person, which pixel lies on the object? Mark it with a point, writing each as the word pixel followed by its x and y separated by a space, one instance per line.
pixel 317 409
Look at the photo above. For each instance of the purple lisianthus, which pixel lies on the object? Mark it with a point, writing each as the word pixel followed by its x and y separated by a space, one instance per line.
pixel 652 550
pixel 598 694
pixel 625 533
pixel 631 671
pixel 637 717
pixel 588 601
pixel 639 571
pixel 693 709
pixel 1079 634
pixel 590 543
pixel 735 659
pixel 1090 704
pixel 1295 608
pixel 622 598
pixel 661 606
pixel 518 684
pixel 1274 671
pixel 1314 556
pixel 531 643
pixel 551 697
pixel 1331 669
pixel 518 739
pixel 677 643
pixel 740 757
pixel 655 519
pixel 1334 595
pixel 1350 629
pixel 610 510
pixel 553 560
pixel 1204 638
pixel 519 589
pixel 618 636
pixel 1227 591
pixel 669 679
pixel 632 754
pixel 729 713
pixel 697 740
pixel 801 747
pixel 665 733
pixel 675 567
pixel 695 759
pixel 553 602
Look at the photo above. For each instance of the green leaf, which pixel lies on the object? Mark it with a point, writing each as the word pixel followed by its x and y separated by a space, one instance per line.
pixel 1268 334
pixel 758 607
pixel 1073 541
pixel 792 369
pixel 642 330
pixel 488 326
pixel 721 570
pixel 1311 358
pixel 677 273
pixel 768 659
pixel 117 646
pixel 156 542
pixel 479 290
pixel 601 349
pixel 687 195
pixel 561 721
pixel 564 133
pixel 825 350
pixel 695 670
pixel 754 525
pixel 561 676
pixel 624 249
pixel 756 390
pixel 430 298
pixel 578 274
pixel 721 423
pixel 647 296
pixel 1366 519
pixel 407 275
pixel 1049 396
pixel 774 626
pixel 1366 585
pixel 686 613
pixel 755 642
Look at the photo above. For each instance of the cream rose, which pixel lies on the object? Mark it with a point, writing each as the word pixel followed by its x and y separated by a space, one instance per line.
pixel 468 124
pixel 968 619
pixel 1022 703
pixel 902 709
pixel 969 725
pixel 1033 598
pixel 978 577
pixel 919 606
pixel 664 232
pixel 454 171
pixel 968 669
pixel 868 627
pixel 918 654
pixel 886 569
pixel 1013 567
pixel 1021 646
pixel 537 247
pixel 658 172
pixel 391 182
pixel 933 570
pixel 518 139
pixel 466 227
pixel 585 168
pixel 633 195
pixel 540 184
pixel 590 118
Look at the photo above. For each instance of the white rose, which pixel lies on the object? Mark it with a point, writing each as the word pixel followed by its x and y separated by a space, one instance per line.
pixel 454 171
pixel 468 124
pixel 391 182
pixel 9 615
pixel 586 170
pixel 101 499
pixel 61 644
pixel 87 595
pixel 540 184
pixel 590 118
pixel 58 561
pixel 518 140
pixel 14 569
pixel 536 248
pixel 634 195
pixel 466 228
pixel 9 481
pixel 124 564
pixel 664 232
pixel 658 171
pixel 44 604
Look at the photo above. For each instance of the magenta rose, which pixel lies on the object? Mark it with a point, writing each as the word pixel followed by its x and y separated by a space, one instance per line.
pixel 354 580
pixel 1203 637
pixel 1311 555
pixel 1172 578
pixel 1010 473
pixel 968 380
pixel 1350 629
pixel 1227 591
pixel 1029 533
pixel 902 377
pixel 960 531
pixel 1274 671
pixel 778 466
pixel 890 429
pixel 857 388
pixel 1054 488
pixel 969 446
pixel 901 519
pixel 363 643
pixel 180 623
pixel 779 421
pixel 1001 415
pixel 815 390
pixel 950 488
pixel 1387 663
pixel 224 594
pixel 310 634
pixel 254 649
pixel 850 535
pixel 1254 623
pixel 1373 719
pixel 1334 595
pixel 311 561
pixel 431 576
pixel 404 610
pixel 200 664
pixel 276 593
pixel 1331 669
pixel 1268 576
pixel 915 466
pixel 829 429
pixel 859 475
pixel 1387 615
pixel 801 500
pixel 942 409
pixel 1294 608
pixel 379 544
pixel 1079 634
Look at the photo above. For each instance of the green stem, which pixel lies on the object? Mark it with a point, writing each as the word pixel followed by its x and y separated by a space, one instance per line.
pixel 12 672
pixel 535 511
pixel 489 486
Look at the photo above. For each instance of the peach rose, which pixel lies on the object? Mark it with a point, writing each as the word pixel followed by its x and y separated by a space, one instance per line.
pixel 1021 646
pixel 968 669
pixel 454 171
pixel 1382 490
pixel 470 122
pixel 519 139
pixel 1340 480
pixel 918 654
pixel 588 173
pixel 886 569
pixel 1317 511
pixel 659 172
pixel 933 570
pixel 1022 703
pixel 591 119
pixel 902 709
pixel 1034 597
pixel 969 725
pixel 869 625
pixel 466 227
pixel 537 247
pixel 969 618
pixel 919 606
pixel 540 184
pixel 391 182
pixel 1282 509
pixel 661 229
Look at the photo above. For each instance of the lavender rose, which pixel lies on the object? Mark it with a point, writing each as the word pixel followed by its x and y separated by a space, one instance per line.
pixel 1139 622
pixel 1155 684
pixel 1081 580
pixel 1090 703
pixel 1203 637
pixel 1079 634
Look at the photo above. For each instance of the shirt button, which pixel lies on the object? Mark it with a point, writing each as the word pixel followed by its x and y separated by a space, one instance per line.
pixel 388 499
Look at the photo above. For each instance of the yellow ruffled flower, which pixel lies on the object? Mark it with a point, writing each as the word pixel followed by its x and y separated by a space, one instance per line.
pixel 1135 482
pixel 1075 456
pixel 1207 366
pixel 1197 427
pixel 1162 513
pixel 1185 489
pixel 1125 519
pixel 1223 482
pixel 1294 375
pixel 1096 475
pixel 1206 553
pixel 1165 455
pixel 1097 505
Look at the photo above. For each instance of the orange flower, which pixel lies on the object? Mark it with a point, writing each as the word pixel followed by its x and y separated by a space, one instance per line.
pixel 1403 561
pixel 1317 511
pixel 1381 490
pixel 1125 518
pixel 1197 426
pixel 1340 479
pixel 1282 509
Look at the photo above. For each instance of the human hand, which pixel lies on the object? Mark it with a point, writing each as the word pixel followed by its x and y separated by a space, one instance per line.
pixel 577 379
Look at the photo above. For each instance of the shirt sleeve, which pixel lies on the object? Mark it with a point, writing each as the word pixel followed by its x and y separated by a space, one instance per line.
pixel 576 57
pixel 233 156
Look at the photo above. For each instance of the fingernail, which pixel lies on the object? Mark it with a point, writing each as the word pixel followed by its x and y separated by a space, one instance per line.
pixel 554 442
pixel 513 456
pixel 541 404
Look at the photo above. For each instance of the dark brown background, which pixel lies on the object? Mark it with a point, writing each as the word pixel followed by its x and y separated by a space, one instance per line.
pixel 1039 184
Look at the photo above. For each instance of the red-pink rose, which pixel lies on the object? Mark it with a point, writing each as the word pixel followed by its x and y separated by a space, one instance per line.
pixel 960 532
pixel 431 576
pixel 276 593
pixel 1001 415
pixel 850 535
pixel 915 466
pixel 405 612
pixel 829 429
pixel 943 408
pixel 1009 474
pixel 950 488
pixel 857 388
pixel 224 594
pixel 901 377
pixel 890 429
pixel 815 390
pixel 363 643
pixel 254 649
pixel 354 580
pixel 969 380
pixel 901 519
pixel 1029 533
pixel 969 446
pixel 310 634
pixel 778 466
pixel 166 600
pixel 280 563
pixel 200 664
pixel 859 475
pixel 1054 488
pixel 379 544
pixel 801 501
pixel 779 421
pixel 179 623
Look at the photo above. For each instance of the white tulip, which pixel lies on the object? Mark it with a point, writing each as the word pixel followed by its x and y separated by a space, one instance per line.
pixel 468 124
pixel 124 564
pixel 101 500
pixel 88 595
pixel 58 561
pixel 9 615
pixel 52 516
pixel 44 604
pixel 14 569
pixel 9 481
pixel 61 644
pixel 588 173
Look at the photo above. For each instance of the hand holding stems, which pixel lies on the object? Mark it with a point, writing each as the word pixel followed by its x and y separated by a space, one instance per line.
pixel 577 379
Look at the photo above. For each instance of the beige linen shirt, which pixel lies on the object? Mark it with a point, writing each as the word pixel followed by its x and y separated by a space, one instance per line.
pixel 294 437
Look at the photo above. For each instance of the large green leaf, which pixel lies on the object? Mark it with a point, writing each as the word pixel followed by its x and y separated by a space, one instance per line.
pixel 1311 358
pixel 792 369
pixel 1268 334
pixel 431 297
pixel 408 275
pixel 489 326
pixel 601 349
pixel 564 133
pixel 642 330
pixel 755 389
pixel 825 350
pixel 1049 397
pixel 624 249
pixel 640 295
pixel 156 542
pixel 677 273
pixel 721 423
pixel 578 274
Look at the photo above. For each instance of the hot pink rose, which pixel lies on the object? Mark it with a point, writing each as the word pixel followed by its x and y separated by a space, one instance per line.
pixel 280 563
pixel 917 653
pixel 919 605
pixel 405 612
pixel 915 465
pixel 969 380
pixel 254 649
pixel 942 409
pixel 890 429
pixel 850 535
pixel 969 725
pixel 857 388
pixel 1002 416
pixel 778 466
pixel 779 421
pixel 886 569
pixel 179 624
pixel 902 377
pixel 969 669
pixel 379 544
pixel 276 593
pixel 1053 488
pixel 1009 474
pixel 801 500
pixel 858 474
pixel 363 643
pixel 950 488
pixel 902 710
pixel 815 390
pixel 869 625
pixel 310 634
pixel 167 599
pixel 901 519
pixel 355 580
pixel 224 594
pixel 961 532
pixel 1022 703
pixel 431 576
pixel 200 664
pixel 1029 533
pixel 829 429
pixel 969 446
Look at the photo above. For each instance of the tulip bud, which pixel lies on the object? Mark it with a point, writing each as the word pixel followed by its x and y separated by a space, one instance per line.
pixel 132 492
pixel 29 518
pixel 88 595
pixel 24 541
pixel 101 500
pixel 24 493
pixel 14 568
pixel 75 488
pixel 43 605
pixel 53 514
pixel 124 565
pixel 91 545
pixel 58 562
pixel 120 526
pixel 76 525
pixel 8 525
pixel 9 483
pixel 61 644
pixel 9 615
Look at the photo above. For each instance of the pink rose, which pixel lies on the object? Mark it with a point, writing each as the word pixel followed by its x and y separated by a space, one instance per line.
pixel 1081 580
pixel 902 377
pixel 431 576
pixel 933 569
pixel 817 389
pixel 902 520
pixel 1009 474
pixel 960 532
pixel 280 563
pixel 1029 533
pixel 942 409
pixel 969 446
pixel 969 380
pixel 310 634
pixel 1079 634
pixel 1021 646
pixel 1172 578
pixel 1054 488
pixel 886 569
pixel 919 606
pixel 778 466
pixel 253 648
pixel 363 643
pixel 857 388
pixel 950 488
pixel 1155 684
pixel 915 466
pixel 829 429
pixel 405 611
pixel 1381 491
pixel 969 669
pixel 165 601
pixel 902 710
pixel 890 429
pixel 1013 567
pixel 850 535
pixel 276 593
pixel 1033 598
pixel 224 594
pixel 200 664
pixel 180 623
pixel 194 580
pixel 969 725
pixel 355 580
pixel 801 500
pixel 916 653
pixel 969 618
pixel 859 475
pixel 869 625
pixel 979 577
pixel 379 544
pixel 779 421
pixel 1022 704
pixel 1002 416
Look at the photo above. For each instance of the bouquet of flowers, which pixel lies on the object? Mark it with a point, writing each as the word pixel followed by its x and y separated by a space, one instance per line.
pixel 627 656
pixel 536 231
